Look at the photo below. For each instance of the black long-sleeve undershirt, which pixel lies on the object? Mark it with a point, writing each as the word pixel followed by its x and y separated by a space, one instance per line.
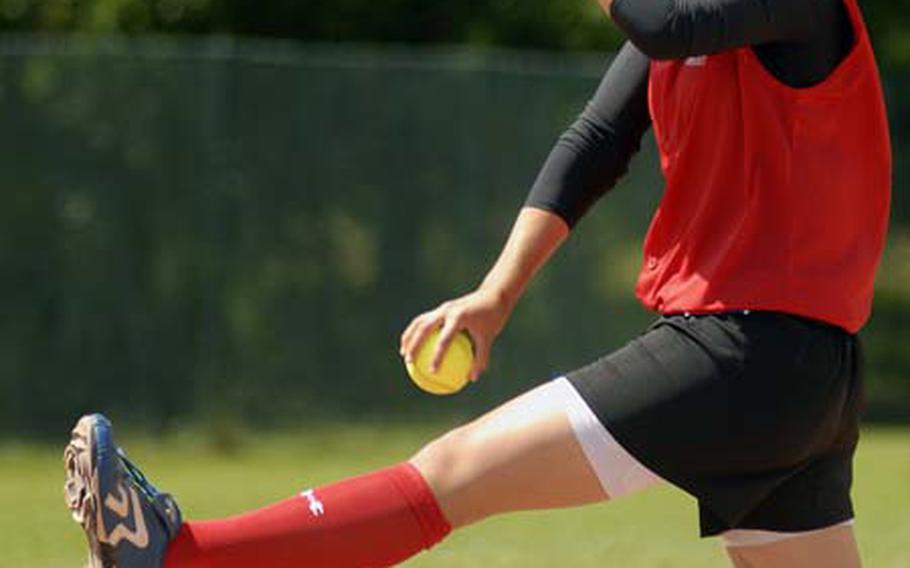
pixel 595 151
pixel 799 41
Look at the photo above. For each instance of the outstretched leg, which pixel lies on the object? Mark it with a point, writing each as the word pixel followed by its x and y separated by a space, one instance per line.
pixel 531 453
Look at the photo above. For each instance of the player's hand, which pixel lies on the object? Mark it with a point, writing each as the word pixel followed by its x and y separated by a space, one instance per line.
pixel 482 313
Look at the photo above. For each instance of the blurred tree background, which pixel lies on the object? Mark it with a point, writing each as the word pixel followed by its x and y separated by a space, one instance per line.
pixel 548 24
pixel 225 210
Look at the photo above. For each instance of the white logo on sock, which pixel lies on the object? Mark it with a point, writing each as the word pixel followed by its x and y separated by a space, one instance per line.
pixel 316 506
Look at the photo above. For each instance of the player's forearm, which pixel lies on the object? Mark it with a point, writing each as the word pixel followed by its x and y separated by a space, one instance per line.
pixel 585 163
pixel 536 235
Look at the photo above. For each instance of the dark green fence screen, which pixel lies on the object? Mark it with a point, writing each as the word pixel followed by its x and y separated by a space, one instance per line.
pixel 208 229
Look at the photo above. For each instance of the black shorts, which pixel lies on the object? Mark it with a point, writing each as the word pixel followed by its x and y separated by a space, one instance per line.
pixel 754 414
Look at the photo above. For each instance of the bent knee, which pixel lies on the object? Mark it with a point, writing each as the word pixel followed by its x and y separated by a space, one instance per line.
pixel 442 461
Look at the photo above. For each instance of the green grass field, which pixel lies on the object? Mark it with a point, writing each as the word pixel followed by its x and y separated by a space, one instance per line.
pixel 655 529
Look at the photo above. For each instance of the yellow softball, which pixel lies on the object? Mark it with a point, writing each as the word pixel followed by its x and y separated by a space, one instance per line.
pixel 453 371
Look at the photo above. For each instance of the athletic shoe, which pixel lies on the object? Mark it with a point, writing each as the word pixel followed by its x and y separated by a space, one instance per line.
pixel 127 521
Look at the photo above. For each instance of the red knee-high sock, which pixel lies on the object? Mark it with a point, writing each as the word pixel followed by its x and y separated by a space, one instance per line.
pixel 378 519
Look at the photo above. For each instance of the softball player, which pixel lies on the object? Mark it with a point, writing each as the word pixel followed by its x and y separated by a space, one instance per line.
pixel 746 391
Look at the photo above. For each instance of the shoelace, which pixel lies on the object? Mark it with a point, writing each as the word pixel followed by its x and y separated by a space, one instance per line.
pixel 163 506
pixel 138 478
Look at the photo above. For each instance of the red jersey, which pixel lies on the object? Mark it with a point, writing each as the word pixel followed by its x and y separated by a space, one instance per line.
pixel 776 197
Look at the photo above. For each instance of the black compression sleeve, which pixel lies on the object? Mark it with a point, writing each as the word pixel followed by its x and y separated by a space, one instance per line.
pixel 595 151
pixel 674 29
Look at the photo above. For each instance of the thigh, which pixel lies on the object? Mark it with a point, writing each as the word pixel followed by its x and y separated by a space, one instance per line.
pixel 523 455
pixel 833 548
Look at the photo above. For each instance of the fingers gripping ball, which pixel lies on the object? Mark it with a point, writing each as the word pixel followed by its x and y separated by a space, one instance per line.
pixel 453 371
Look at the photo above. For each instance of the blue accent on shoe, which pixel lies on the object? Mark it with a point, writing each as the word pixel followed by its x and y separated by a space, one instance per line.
pixel 136 520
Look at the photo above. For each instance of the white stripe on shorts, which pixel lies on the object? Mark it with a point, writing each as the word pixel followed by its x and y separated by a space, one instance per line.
pixel 619 472
pixel 753 537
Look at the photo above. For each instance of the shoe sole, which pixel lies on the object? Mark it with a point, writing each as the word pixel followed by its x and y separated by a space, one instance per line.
pixel 82 490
